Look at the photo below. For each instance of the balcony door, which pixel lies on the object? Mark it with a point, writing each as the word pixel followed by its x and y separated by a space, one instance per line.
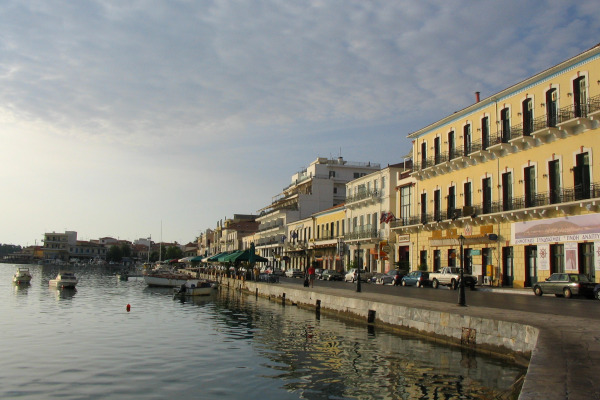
pixel 527 117
pixel 579 97
pixel 451 146
pixel 507 191
pixel 424 208
pixel 551 107
pixel 451 203
pixel 485 133
pixel 437 150
pixel 437 205
pixel 554 181
pixel 467 139
pixel 581 176
pixel 505 124
pixel 529 182
pixel 486 187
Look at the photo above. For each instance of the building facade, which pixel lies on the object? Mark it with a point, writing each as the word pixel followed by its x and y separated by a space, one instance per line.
pixel 513 177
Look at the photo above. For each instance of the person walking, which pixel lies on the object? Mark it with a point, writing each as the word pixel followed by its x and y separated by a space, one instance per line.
pixel 311 275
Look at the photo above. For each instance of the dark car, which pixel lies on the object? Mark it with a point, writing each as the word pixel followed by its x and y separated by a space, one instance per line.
pixel 564 284
pixel 416 278
pixel 392 277
pixel 597 292
pixel 332 275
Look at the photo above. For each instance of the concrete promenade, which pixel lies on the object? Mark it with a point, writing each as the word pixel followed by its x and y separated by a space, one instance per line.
pixel 564 351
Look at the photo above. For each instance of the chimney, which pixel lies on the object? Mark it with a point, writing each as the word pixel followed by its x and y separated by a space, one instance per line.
pixel 476 97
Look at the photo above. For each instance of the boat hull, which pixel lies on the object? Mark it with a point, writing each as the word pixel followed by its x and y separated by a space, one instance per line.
pixel 159 281
pixel 62 283
pixel 202 289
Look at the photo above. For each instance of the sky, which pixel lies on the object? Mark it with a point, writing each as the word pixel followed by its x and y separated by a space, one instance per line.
pixel 132 119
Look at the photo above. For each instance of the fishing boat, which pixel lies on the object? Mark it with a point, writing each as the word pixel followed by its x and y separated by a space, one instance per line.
pixel 199 288
pixel 64 279
pixel 22 276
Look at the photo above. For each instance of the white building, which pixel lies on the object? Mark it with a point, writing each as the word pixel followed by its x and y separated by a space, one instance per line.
pixel 320 186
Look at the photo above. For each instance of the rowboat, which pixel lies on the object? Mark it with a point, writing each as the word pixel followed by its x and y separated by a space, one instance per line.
pixel 198 288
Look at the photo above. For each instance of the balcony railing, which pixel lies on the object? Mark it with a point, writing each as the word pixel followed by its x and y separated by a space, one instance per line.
pixel 362 195
pixel 552 197
pixel 362 233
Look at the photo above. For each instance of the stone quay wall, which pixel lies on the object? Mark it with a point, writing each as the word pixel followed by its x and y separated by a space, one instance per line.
pixel 507 339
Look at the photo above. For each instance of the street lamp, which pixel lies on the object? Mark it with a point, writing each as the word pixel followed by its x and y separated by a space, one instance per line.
pixel 461 285
pixel 358 288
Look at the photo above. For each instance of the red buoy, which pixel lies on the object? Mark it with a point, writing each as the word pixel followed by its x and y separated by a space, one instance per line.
pixel 128 307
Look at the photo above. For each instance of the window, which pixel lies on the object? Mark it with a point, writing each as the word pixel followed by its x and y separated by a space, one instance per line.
pixel 554 181
pixel 557 258
pixel 424 208
pixel 332 174
pixel 551 107
pixel 383 183
pixel 405 196
pixel 582 177
pixel 437 150
pixel 334 190
pixel 424 154
pixel 486 188
pixel 437 205
pixel 356 175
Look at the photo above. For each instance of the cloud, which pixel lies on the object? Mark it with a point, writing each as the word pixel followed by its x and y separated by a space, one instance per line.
pixel 207 93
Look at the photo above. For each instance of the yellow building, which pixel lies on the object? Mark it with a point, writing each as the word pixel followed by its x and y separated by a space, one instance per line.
pixel 327 244
pixel 513 174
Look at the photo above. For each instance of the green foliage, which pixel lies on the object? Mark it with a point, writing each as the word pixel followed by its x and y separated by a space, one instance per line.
pixel 114 254
pixel 173 252
pixel 6 249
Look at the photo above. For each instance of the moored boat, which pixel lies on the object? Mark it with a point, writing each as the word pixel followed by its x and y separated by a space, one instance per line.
pixel 199 288
pixel 64 279
pixel 167 278
pixel 22 276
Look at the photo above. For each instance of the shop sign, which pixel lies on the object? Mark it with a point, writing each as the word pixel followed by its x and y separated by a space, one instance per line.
pixel 543 257
pixel 576 228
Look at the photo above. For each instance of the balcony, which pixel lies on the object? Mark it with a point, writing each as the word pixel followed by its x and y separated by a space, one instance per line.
pixel 537 202
pixel 362 233
pixel 569 120
pixel 363 197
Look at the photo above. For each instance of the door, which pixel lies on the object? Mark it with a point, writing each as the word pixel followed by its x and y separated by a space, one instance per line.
pixel 437 205
pixel 505 124
pixel 529 182
pixel 485 133
pixel 451 203
pixel 507 191
pixel 557 258
pixel 551 110
pixel 486 259
pixel 579 97
pixel 468 261
pixel 437 150
pixel 527 117
pixel 467 139
pixel 423 208
pixel 486 185
pixel 507 266
pixel 451 146
pixel 554 181
pixel 437 260
pixel 581 176
pixel 586 260
pixel 452 258
pixel 530 265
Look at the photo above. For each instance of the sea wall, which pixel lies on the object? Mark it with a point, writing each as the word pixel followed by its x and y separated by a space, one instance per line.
pixel 508 339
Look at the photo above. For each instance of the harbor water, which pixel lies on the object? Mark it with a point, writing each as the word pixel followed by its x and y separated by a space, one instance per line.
pixel 84 344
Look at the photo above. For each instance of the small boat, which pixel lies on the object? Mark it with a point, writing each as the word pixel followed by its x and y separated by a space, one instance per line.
pixel 22 276
pixel 64 279
pixel 123 276
pixel 198 288
pixel 167 278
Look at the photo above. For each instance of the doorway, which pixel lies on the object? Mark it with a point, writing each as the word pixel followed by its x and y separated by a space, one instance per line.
pixel 530 266
pixel 507 266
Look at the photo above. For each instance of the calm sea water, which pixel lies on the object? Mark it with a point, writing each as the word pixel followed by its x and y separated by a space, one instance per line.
pixel 83 344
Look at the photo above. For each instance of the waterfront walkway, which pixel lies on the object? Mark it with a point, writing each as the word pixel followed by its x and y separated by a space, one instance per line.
pixel 565 363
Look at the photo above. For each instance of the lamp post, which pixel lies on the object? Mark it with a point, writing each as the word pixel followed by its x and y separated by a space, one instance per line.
pixel 461 285
pixel 358 288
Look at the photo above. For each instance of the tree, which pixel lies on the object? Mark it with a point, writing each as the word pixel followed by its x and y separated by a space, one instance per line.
pixel 114 254
pixel 173 252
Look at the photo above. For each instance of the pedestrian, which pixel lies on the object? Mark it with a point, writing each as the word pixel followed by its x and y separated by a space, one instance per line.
pixel 311 275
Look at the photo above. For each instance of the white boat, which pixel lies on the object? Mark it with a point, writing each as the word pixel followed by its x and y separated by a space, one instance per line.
pixel 22 276
pixel 64 279
pixel 199 288
pixel 167 278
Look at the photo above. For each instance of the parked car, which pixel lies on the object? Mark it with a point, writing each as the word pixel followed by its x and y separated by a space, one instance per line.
pixel 277 271
pixel 332 275
pixel 564 284
pixel 352 274
pixel 597 292
pixel 393 276
pixel 416 278
pixel 294 273
pixel 319 273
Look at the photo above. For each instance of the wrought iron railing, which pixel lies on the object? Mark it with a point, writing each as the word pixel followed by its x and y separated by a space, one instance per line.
pixel 363 194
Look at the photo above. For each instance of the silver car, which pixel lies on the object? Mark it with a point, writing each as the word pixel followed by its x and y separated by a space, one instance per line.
pixel 565 284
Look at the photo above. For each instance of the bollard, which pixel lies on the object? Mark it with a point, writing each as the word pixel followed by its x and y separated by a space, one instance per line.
pixel 371 317
pixel 283 299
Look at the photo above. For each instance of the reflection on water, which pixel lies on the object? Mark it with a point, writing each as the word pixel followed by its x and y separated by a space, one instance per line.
pixel 226 345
